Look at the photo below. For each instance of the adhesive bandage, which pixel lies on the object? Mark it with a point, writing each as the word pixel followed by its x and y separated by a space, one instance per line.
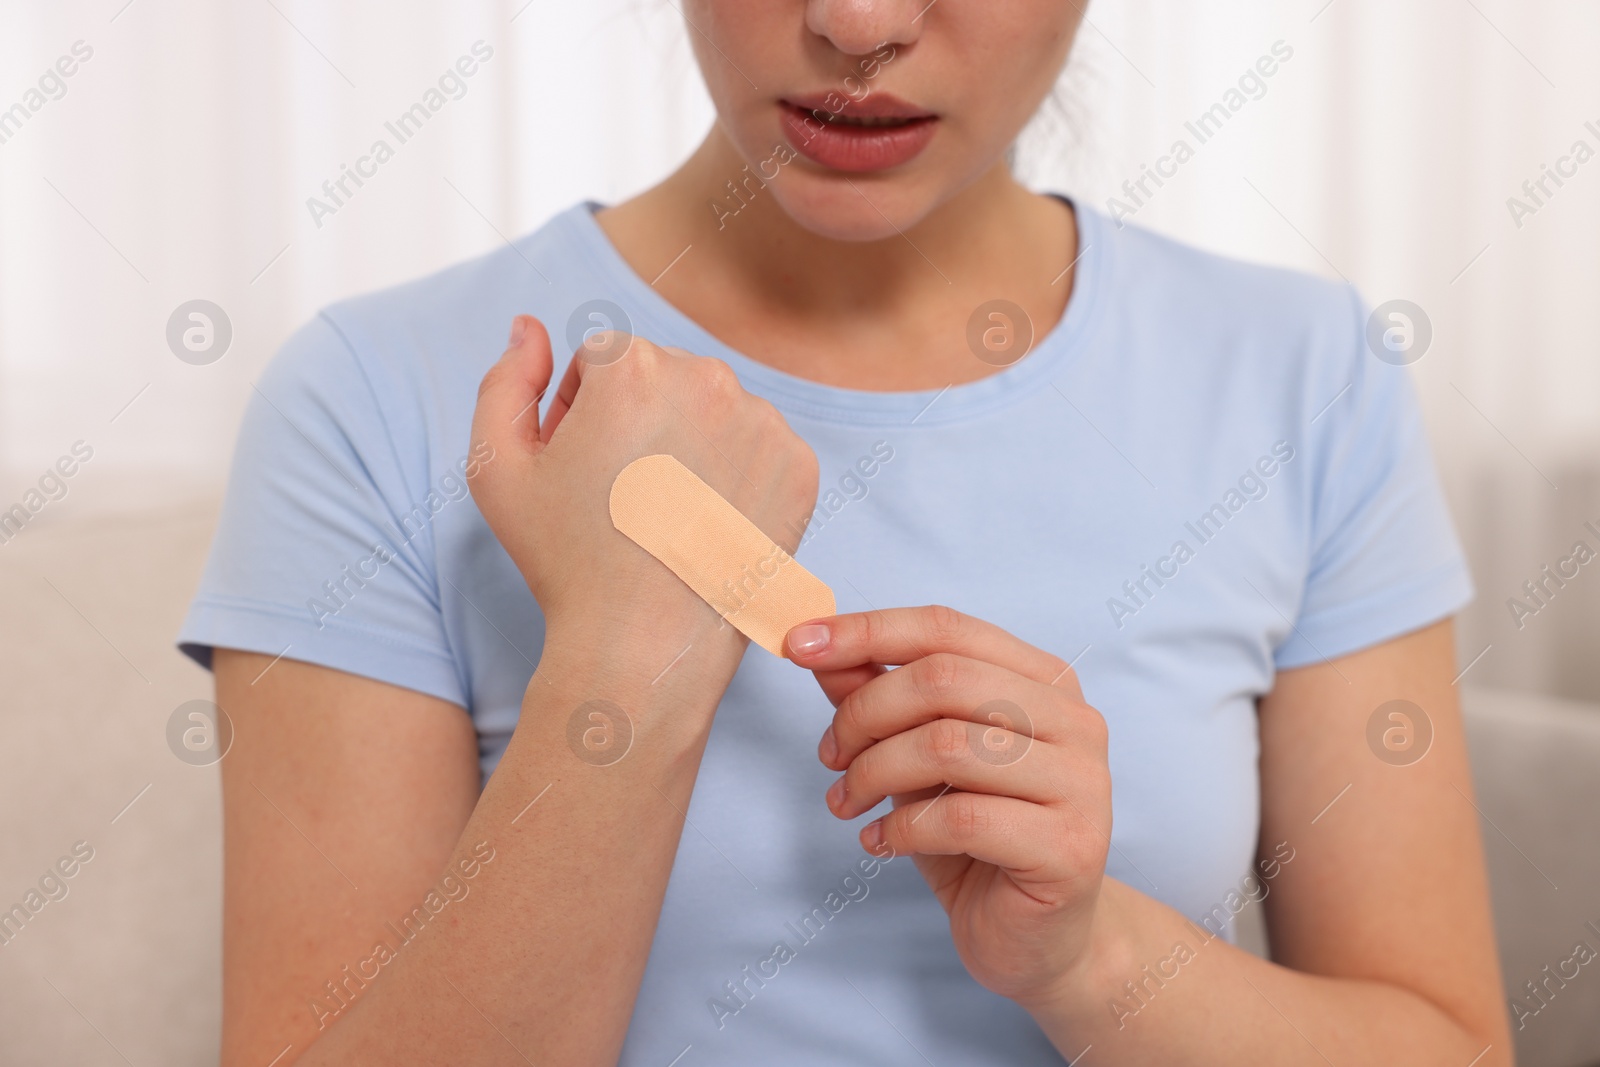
pixel 664 508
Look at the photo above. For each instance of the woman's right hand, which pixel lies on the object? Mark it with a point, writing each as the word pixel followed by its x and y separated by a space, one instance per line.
pixel 546 490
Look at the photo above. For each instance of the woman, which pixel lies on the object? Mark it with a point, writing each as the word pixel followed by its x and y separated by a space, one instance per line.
pixel 1185 524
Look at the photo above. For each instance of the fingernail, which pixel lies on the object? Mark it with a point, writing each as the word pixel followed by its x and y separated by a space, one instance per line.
pixel 809 639
pixel 828 750
pixel 836 793
pixel 519 326
pixel 872 835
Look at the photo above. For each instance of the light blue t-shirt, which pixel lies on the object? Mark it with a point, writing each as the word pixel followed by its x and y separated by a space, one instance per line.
pixel 1199 477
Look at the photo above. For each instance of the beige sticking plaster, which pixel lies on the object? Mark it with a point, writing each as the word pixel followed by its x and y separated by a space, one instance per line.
pixel 664 508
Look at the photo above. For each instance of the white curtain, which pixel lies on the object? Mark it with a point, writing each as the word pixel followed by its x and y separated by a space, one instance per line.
pixel 176 162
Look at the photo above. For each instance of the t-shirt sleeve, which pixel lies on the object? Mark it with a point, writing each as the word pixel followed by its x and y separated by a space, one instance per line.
pixel 1383 556
pixel 309 560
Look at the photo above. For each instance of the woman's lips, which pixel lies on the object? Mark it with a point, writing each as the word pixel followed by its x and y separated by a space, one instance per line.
pixel 886 134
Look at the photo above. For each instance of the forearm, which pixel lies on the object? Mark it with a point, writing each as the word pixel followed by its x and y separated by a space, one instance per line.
pixel 1157 989
pixel 542 959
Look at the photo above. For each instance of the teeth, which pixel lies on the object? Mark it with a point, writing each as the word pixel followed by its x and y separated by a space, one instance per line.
pixel 856 120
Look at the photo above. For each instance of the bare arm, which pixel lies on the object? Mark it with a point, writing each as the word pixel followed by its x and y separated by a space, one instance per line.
pixel 1370 868
pixel 1381 938
pixel 511 926
pixel 543 954
pixel 343 800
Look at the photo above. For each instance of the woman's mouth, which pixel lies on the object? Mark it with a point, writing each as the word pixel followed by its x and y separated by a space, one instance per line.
pixel 876 132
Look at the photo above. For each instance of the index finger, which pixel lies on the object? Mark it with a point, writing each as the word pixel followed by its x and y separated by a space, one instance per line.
pixel 600 349
pixel 897 636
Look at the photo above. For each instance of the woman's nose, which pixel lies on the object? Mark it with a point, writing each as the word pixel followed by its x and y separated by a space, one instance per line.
pixel 858 27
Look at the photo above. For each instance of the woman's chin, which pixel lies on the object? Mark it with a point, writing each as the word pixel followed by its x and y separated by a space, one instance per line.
pixel 840 210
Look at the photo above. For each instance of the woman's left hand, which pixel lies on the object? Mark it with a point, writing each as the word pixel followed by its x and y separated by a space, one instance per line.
pixel 998 773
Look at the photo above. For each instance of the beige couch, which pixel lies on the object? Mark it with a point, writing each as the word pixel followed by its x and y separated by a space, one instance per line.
pixel 126 964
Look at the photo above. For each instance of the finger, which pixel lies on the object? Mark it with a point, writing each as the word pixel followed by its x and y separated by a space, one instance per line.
pixel 900 635
pixel 962 755
pixel 954 687
pixel 597 351
pixel 837 685
pixel 561 403
pixel 1004 831
pixel 507 413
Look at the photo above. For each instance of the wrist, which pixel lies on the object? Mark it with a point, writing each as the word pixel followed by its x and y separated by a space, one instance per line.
pixel 645 666
pixel 1105 960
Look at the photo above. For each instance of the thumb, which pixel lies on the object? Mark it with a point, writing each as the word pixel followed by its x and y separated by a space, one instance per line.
pixel 838 684
pixel 507 415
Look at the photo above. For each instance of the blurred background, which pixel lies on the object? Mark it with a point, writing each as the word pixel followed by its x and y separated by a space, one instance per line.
pixel 1444 152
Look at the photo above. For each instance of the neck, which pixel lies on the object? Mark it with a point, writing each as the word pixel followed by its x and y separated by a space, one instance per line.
pixel 751 272
pixel 745 228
